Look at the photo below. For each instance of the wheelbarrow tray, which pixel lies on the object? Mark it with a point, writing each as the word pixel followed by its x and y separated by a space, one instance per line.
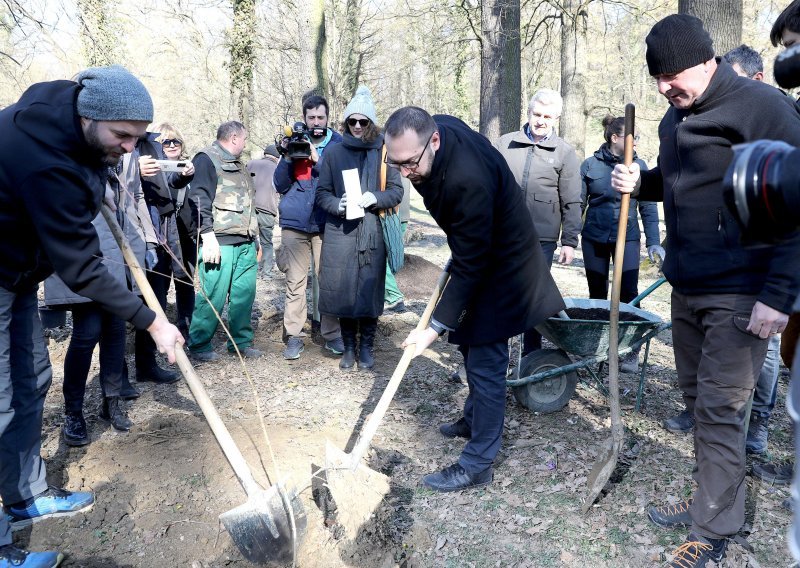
pixel 585 338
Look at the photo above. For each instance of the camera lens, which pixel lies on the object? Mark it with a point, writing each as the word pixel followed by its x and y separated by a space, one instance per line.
pixel 761 189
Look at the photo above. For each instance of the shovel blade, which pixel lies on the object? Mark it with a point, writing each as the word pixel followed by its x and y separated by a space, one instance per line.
pixel 356 493
pixel 262 527
pixel 601 471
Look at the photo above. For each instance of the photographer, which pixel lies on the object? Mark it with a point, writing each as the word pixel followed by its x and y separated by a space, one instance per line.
pixel 301 223
pixel 727 300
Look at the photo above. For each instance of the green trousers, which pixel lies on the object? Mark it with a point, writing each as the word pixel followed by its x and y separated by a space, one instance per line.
pixel 234 280
pixel 391 292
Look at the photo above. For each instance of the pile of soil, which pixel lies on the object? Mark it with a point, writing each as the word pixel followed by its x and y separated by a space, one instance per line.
pixel 600 314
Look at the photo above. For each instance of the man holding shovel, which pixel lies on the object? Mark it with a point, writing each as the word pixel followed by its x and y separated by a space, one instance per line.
pixel 57 141
pixel 499 282
pixel 727 300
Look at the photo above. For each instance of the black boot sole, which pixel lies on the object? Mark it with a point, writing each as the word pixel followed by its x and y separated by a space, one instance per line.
pixel 75 442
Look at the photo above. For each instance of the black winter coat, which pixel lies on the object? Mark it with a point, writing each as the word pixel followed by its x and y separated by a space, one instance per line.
pixel 499 283
pixel 51 186
pixel 704 253
pixel 352 282
pixel 603 201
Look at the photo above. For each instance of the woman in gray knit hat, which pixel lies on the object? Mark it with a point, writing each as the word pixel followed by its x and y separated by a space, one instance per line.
pixel 353 261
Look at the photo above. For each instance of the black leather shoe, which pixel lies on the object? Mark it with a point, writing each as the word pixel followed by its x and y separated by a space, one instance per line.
pixel 74 429
pixel 155 374
pixel 454 478
pixel 459 429
pixel 112 412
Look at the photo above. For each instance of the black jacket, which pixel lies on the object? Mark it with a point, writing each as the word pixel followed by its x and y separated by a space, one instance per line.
pixel 704 255
pixel 352 274
pixel 603 202
pixel 499 282
pixel 51 187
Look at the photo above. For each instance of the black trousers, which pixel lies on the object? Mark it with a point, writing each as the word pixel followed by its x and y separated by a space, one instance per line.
pixel 92 325
pixel 596 260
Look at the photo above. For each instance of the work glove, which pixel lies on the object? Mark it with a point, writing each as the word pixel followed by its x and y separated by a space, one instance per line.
pixel 654 250
pixel 211 253
pixel 150 257
pixel 368 199
pixel 343 204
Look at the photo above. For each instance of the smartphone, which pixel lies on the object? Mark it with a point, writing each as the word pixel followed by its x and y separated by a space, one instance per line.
pixel 172 165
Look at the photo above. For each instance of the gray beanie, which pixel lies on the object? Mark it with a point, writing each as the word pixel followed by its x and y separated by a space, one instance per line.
pixel 113 93
pixel 361 104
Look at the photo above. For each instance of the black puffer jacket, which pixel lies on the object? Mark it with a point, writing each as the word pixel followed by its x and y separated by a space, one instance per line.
pixel 51 187
pixel 499 283
pixel 352 273
pixel 704 255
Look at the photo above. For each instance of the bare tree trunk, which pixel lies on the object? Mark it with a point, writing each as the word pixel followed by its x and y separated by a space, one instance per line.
pixel 501 82
pixel 573 73
pixel 242 47
pixel 320 42
pixel 721 18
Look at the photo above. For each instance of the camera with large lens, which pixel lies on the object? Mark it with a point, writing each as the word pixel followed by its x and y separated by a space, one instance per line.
pixel 762 184
pixel 294 142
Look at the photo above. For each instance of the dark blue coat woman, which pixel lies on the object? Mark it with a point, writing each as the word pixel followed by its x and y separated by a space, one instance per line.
pixel 353 259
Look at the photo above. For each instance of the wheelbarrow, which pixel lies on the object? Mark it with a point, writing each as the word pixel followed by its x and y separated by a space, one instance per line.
pixel 545 380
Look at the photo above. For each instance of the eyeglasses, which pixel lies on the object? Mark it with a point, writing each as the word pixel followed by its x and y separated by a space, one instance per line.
pixel 362 122
pixel 636 138
pixel 410 165
pixel 172 142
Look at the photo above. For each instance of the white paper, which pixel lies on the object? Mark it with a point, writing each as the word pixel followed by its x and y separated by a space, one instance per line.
pixel 352 188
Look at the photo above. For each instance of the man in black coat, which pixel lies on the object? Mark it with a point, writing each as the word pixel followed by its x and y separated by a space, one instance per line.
pixel 499 282
pixel 727 300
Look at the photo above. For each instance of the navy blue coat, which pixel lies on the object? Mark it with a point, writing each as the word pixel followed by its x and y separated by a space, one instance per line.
pixel 603 201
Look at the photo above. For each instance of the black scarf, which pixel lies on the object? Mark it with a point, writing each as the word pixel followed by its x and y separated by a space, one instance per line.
pixel 367 234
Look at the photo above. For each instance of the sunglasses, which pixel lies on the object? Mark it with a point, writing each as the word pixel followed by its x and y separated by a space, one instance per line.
pixel 362 122
pixel 172 142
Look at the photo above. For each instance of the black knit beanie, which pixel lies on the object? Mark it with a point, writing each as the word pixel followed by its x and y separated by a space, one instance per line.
pixel 676 43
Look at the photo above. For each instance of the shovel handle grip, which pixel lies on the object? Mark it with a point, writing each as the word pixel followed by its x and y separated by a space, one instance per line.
pixel 375 419
pixel 229 448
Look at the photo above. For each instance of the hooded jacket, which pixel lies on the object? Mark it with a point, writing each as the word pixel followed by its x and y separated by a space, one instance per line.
pixel 704 253
pixel 51 187
pixel 603 202
pixel 499 282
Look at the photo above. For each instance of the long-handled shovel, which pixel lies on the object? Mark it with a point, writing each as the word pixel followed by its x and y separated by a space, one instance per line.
pixel 607 461
pixel 356 489
pixel 268 527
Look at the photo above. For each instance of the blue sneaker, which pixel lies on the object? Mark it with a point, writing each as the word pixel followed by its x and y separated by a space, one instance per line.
pixel 10 556
pixel 54 502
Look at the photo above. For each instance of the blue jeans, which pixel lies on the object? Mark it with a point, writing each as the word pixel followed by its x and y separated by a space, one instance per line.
pixel 485 407
pixel 767 386
pixel 25 376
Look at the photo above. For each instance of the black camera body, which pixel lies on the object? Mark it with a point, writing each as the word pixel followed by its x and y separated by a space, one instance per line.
pixel 294 142
pixel 762 184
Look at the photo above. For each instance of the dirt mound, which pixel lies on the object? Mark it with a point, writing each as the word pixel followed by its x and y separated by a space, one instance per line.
pixel 417 277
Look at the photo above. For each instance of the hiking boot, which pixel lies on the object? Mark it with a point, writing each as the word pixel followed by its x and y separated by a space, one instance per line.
pixel 397 307
pixel 366 360
pixel 10 556
pixel 349 328
pixel 669 516
pixel 335 346
pixel 697 551
pixel 249 353
pixel 294 347
pixel 757 434
pixel 456 478
pixel 155 374
pixel 112 412
pixel 459 429
pixel 74 429
pixel 53 502
pixel 681 423
pixel 204 356
pixel 779 473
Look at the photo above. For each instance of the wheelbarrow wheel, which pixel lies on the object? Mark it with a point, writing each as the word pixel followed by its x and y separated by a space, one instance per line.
pixel 550 395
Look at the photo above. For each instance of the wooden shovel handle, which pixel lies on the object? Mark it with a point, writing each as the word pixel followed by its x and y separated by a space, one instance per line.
pixel 619 254
pixel 374 421
pixel 229 448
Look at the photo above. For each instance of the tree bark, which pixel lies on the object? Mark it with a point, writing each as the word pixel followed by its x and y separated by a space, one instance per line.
pixel 573 73
pixel 242 48
pixel 501 82
pixel 98 36
pixel 721 18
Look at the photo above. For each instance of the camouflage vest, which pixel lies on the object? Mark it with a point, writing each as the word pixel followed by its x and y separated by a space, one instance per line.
pixel 233 209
